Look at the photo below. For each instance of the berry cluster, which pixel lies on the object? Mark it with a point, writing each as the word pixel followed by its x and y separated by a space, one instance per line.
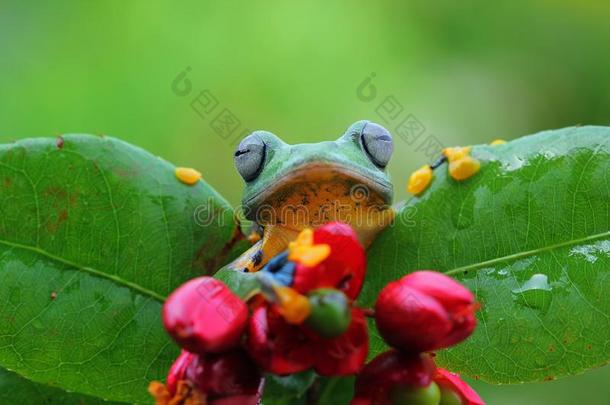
pixel 303 316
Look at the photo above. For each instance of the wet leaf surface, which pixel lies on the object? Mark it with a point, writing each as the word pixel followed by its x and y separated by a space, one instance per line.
pixel 530 235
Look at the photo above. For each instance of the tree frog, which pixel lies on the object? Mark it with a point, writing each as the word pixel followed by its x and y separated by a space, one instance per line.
pixel 292 187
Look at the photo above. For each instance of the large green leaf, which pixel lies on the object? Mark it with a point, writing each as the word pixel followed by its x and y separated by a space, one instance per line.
pixel 94 233
pixel 15 389
pixel 530 235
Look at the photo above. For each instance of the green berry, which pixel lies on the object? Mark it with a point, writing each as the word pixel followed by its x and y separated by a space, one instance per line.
pixel 450 397
pixel 430 395
pixel 330 312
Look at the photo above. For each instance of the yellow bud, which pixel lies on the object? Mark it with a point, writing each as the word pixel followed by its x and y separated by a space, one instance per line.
pixel 464 168
pixel 187 175
pixel 420 180
pixel 497 142
pixel 294 307
pixel 456 153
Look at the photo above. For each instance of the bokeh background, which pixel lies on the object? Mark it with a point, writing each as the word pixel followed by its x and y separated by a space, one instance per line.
pixel 457 72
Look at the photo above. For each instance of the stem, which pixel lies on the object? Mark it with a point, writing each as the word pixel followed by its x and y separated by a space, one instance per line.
pixel 369 312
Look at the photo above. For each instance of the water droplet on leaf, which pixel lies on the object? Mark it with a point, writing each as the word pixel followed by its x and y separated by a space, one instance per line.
pixel 535 293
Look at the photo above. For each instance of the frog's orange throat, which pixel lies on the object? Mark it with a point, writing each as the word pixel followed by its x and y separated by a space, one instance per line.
pixel 310 197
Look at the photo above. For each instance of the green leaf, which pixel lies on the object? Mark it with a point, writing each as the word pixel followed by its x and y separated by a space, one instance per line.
pixel 530 235
pixel 288 390
pixel 15 389
pixel 94 233
pixel 336 390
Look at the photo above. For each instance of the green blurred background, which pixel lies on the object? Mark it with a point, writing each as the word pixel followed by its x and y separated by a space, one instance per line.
pixel 468 72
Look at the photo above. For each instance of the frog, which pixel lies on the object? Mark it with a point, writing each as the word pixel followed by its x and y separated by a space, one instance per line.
pixel 289 188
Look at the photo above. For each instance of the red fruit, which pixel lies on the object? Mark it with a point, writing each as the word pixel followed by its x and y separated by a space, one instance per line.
pixel 229 378
pixel 452 382
pixel 343 269
pixel 345 354
pixel 204 316
pixel 225 375
pixel 237 400
pixel 178 370
pixel 276 345
pixel 392 369
pixel 455 298
pixel 425 311
pixel 282 348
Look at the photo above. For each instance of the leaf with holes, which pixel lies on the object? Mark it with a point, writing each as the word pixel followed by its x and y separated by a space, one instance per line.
pixel 94 233
pixel 530 235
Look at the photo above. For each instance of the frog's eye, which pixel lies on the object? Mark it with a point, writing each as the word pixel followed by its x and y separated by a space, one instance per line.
pixel 377 143
pixel 249 157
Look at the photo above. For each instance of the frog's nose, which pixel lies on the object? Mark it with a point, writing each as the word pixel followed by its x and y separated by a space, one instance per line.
pixel 312 152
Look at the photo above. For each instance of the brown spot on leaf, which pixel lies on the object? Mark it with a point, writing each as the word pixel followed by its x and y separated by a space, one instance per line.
pixel 58 197
pixel 549 378
pixel 551 348
pixel 53 295
pixel 53 226
pixel 8 182
pixel 59 142
pixel 54 191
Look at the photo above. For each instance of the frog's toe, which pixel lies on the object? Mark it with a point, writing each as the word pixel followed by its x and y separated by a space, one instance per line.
pixel 253 263
pixel 254 237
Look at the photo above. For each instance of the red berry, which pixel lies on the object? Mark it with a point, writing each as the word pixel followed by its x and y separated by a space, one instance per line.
pixel 178 370
pixel 390 371
pixel 451 382
pixel 204 316
pixel 343 269
pixel 455 298
pixel 225 375
pixel 282 348
pixel 229 378
pixel 344 354
pixel 425 311
pixel 277 346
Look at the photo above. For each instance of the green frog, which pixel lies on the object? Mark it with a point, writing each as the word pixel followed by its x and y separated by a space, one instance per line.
pixel 293 187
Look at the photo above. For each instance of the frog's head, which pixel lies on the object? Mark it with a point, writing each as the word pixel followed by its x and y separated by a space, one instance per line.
pixel 309 184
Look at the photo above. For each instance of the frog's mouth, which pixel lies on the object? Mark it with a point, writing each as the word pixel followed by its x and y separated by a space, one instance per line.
pixel 319 184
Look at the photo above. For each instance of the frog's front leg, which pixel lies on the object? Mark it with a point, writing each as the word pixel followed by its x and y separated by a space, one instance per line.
pixel 274 241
